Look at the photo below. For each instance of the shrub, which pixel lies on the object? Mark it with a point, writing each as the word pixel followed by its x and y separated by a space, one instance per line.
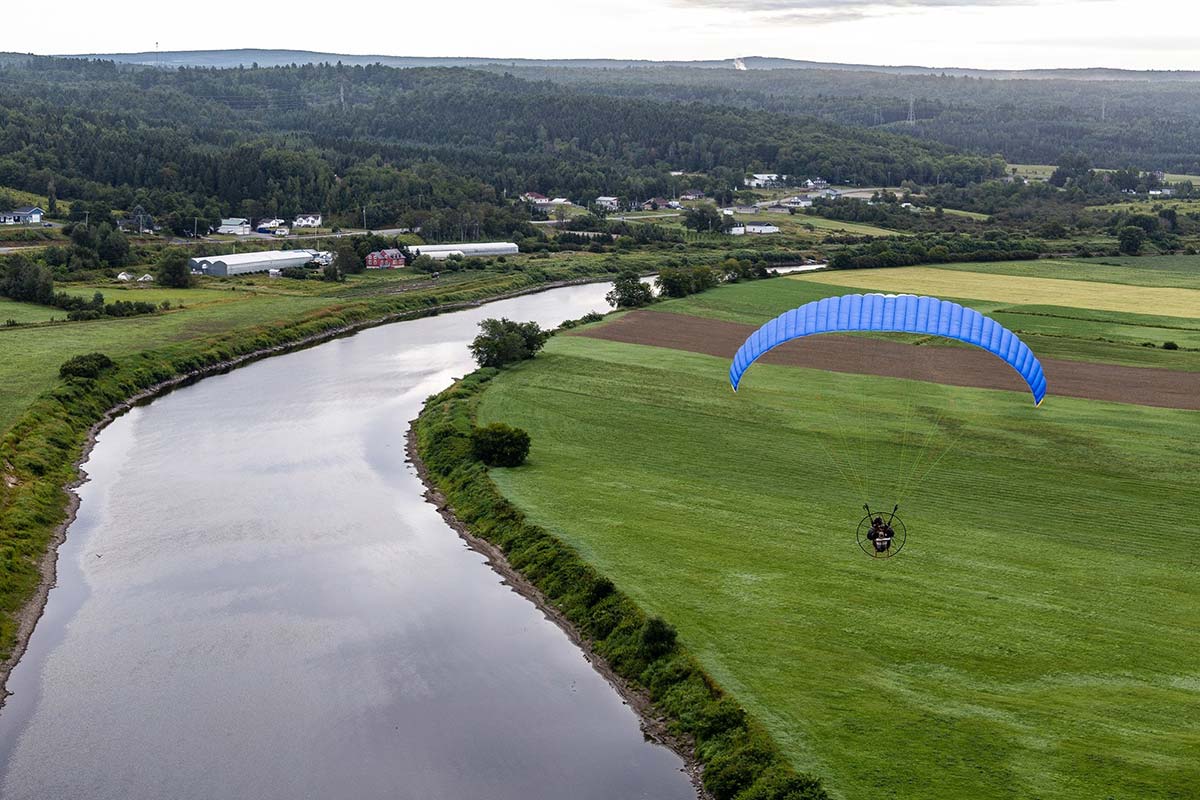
pixel 657 638
pixel 89 365
pixel 1170 346
pixel 500 445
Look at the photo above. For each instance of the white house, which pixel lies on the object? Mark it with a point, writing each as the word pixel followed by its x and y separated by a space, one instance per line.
pixel 29 215
pixel 737 230
pixel 235 225
pixel 692 194
pixel 268 225
pixel 817 183
pixel 608 203
pixel 797 202
pixel 307 221
pixel 762 179
pixel 533 197
pixel 760 228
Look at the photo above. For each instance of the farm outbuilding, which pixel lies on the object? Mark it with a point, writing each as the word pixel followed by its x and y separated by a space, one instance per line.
pixel 244 263
pixel 438 252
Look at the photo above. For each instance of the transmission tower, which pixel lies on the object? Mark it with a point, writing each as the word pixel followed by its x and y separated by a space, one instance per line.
pixel 912 113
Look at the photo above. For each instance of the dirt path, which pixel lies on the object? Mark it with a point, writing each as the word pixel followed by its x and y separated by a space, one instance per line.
pixel 956 366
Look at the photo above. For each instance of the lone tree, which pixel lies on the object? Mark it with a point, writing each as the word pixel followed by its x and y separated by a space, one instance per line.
pixel 1130 239
pixel 706 217
pixel 500 445
pixel 173 269
pixel 502 341
pixel 27 281
pixel 347 260
pixel 629 291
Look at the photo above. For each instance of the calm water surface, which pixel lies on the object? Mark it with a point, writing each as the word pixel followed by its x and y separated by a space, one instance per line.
pixel 255 601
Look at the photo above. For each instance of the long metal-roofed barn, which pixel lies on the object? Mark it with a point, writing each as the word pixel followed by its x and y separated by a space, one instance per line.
pixel 243 263
pixel 439 252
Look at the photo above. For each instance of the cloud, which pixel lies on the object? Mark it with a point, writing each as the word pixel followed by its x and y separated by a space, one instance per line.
pixel 828 11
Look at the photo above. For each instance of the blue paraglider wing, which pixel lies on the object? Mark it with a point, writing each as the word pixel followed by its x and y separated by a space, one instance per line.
pixel 904 313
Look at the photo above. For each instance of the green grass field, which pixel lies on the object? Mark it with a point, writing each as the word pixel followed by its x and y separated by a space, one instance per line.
pixel 1181 272
pixel 1036 638
pixel 955 212
pixel 30 356
pixel 1033 172
pixel 22 197
pixel 796 223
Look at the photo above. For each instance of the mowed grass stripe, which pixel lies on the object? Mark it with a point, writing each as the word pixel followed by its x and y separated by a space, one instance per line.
pixel 1163 302
pixel 1036 638
pixel 1177 271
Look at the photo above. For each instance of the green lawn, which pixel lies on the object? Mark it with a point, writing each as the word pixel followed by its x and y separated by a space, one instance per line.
pixel 1037 637
pixel 27 312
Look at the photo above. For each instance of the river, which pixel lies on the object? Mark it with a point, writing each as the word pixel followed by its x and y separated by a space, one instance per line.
pixel 256 601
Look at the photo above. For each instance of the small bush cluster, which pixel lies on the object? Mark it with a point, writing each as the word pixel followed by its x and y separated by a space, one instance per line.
pixel 89 365
pixel 500 445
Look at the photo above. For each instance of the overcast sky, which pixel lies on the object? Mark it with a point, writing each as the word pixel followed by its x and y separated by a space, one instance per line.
pixel 1136 34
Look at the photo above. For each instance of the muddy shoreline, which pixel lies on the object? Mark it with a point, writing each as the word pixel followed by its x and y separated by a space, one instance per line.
pixel 32 610
pixel 654 725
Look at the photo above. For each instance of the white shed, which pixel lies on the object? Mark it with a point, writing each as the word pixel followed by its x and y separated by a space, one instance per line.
pixel 439 252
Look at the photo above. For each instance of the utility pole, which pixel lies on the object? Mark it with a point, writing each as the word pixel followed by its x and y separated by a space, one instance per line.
pixel 195 221
pixel 364 218
pixel 1103 108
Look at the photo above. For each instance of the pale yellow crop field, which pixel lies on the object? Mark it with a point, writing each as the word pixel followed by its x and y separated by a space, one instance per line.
pixel 1167 302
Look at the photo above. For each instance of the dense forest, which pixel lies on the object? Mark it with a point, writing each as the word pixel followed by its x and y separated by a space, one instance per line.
pixel 438 147
pixel 1147 124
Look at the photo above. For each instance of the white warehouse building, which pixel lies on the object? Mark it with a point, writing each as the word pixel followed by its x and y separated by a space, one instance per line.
pixel 439 252
pixel 243 263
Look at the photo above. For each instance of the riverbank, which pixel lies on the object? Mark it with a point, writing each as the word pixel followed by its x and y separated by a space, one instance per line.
pixel 656 727
pixel 676 698
pixel 44 452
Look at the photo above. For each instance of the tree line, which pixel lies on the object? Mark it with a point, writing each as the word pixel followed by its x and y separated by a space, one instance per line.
pixel 445 149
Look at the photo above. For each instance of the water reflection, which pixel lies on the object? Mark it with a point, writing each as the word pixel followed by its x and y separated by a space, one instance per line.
pixel 255 601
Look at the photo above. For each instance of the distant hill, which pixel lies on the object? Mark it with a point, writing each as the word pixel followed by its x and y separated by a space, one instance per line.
pixel 272 58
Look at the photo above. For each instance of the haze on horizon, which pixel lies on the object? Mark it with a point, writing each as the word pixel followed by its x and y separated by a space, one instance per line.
pixel 986 34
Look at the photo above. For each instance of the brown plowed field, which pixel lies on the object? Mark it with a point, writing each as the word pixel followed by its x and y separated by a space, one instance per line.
pixel 957 366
